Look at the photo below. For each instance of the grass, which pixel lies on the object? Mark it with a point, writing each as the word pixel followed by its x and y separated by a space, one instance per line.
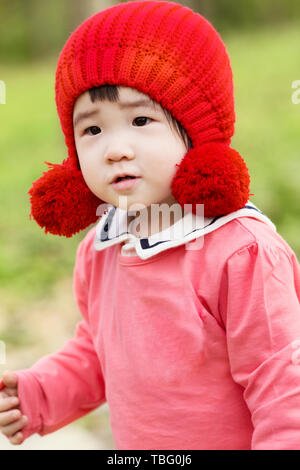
pixel 267 126
pixel 267 136
pixel 30 261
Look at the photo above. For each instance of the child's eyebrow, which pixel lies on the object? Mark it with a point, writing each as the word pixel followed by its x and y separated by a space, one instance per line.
pixel 122 105
pixel 84 115
pixel 135 104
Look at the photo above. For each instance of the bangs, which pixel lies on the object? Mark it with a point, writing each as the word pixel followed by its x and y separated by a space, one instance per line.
pixel 111 94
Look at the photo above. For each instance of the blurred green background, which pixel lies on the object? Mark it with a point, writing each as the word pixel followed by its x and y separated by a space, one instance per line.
pixel 262 38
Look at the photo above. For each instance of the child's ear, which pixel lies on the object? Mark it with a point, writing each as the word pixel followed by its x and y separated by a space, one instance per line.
pixel 61 202
pixel 215 175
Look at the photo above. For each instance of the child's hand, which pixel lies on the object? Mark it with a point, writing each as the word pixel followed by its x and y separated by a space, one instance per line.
pixel 11 419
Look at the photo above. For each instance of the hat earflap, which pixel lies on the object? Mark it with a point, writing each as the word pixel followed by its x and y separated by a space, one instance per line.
pixel 61 202
pixel 215 175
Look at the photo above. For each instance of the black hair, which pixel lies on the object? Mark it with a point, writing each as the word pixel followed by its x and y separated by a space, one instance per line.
pixel 111 93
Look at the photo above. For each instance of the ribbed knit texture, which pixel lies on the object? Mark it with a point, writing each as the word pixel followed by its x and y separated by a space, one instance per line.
pixel 163 49
pixel 174 55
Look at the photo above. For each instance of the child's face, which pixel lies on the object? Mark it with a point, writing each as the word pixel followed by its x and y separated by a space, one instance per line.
pixel 134 140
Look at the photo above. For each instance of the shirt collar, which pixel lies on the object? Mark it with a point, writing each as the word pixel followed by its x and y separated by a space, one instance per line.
pixel 112 228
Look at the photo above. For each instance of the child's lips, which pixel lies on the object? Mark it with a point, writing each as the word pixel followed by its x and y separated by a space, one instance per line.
pixel 126 184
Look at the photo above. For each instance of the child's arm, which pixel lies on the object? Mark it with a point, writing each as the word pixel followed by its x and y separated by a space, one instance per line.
pixel 260 308
pixel 61 387
pixel 64 386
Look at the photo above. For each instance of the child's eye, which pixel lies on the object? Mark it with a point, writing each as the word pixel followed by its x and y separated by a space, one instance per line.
pixel 141 119
pixel 93 129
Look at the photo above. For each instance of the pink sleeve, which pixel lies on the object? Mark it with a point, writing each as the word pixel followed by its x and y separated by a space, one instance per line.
pixel 63 386
pixel 260 307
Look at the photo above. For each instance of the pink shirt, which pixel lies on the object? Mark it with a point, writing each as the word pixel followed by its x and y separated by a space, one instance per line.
pixel 191 349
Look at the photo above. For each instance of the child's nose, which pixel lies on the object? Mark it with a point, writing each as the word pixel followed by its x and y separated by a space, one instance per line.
pixel 116 153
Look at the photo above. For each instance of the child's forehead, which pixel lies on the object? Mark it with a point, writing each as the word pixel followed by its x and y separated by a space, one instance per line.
pixel 129 92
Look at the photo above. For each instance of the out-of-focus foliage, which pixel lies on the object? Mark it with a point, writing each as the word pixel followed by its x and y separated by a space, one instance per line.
pixel 262 38
pixel 246 14
pixel 31 29
pixel 265 62
pixel 267 136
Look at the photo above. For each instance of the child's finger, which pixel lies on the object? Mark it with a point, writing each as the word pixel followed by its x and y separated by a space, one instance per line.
pixel 16 439
pixel 10 379
pixel 9 417
pixel 14 427
pixel 8 403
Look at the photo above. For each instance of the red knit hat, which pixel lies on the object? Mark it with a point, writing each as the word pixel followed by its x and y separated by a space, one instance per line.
pixel 175 56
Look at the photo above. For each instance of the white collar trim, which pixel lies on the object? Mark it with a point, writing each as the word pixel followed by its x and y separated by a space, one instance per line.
pixel 112 228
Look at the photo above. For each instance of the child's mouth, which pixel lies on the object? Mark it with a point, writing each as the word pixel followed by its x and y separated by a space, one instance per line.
pixel 121 178
pixel 127 182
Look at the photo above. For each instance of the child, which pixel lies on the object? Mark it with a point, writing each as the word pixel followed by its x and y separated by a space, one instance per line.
pixel 194 343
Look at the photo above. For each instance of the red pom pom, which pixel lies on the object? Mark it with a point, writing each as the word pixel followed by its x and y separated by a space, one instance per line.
pixel 214 175
pixel 61 202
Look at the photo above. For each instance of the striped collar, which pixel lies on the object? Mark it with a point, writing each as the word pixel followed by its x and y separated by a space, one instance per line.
pixel 112 228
